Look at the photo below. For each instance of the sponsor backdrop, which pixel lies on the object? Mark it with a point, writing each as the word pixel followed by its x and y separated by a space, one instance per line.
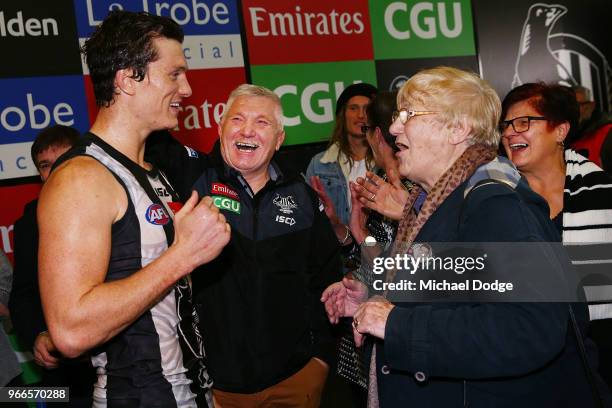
pixel 421 29
pixel 307 51
pixel 309 98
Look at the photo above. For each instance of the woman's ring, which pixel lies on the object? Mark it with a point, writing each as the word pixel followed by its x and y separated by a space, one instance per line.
pixel 373 198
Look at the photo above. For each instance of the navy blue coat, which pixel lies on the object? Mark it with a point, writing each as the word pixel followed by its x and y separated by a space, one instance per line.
pixel 487 354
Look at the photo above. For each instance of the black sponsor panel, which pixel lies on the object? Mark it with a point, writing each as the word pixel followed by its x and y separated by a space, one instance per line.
pixel 391 74
pixel 38 38
pixel 565 41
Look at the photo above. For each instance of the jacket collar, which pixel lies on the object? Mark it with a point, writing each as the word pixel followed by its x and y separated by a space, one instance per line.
pixel 334 155
pixel 331 154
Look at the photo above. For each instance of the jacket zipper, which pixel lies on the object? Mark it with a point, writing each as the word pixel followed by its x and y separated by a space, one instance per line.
pixel 255 218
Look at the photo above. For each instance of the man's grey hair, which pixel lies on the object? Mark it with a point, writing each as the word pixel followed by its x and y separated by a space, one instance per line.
pixel 256 90
pixel 588 95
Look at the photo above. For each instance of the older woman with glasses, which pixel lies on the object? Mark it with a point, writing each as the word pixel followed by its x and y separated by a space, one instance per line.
pixel 477 354
pixel 365 223
pixel 537 118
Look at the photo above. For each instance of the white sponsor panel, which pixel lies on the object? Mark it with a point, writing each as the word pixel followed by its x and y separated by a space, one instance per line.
pixel 213 51
pixel 204 51
pixel 15 161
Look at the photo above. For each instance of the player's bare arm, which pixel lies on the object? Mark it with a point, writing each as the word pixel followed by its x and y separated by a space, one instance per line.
pixel 77 208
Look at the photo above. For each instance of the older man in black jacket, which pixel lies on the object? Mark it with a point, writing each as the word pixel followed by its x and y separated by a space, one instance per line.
pixel 266 335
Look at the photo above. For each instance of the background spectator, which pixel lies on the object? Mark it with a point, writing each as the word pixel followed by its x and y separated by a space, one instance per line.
pixel 593 137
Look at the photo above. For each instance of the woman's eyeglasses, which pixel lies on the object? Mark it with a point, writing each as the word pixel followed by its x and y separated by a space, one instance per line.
pixel 520 124
pixel 404 115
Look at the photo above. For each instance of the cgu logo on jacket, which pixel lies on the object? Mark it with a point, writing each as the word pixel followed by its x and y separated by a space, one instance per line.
pixel 225 198
pixel 224 203
pixel 157 215
pixel 562 58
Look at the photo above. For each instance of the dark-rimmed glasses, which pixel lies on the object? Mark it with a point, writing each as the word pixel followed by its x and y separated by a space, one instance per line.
pixel 520 124
pixel 404 115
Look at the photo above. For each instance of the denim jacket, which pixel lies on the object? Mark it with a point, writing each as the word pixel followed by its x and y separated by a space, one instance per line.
pixel 334 174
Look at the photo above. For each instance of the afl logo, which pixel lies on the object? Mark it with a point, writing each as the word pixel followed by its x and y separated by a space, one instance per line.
pixel 156 215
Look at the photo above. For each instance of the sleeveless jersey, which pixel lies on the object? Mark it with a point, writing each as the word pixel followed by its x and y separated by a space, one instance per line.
pixel 158 360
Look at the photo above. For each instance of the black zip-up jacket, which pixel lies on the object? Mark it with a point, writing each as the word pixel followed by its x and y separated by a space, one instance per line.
pixel 259 301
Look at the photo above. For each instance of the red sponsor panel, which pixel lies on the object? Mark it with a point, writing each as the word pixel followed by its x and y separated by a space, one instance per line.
pixel 14 199
pixel 203 109
pixel 290 32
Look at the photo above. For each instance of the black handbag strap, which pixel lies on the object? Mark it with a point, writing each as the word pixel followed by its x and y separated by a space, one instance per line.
pixel 585 361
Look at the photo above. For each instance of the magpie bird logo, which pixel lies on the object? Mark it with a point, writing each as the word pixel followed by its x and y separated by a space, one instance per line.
pixel 563 58
pixel 286 204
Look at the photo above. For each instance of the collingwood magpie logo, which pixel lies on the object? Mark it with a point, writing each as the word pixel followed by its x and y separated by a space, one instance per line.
pixel 286 204
pixel 563 58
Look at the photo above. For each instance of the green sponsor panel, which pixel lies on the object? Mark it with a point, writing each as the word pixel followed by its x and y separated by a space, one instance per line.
pixel 422 29
pixel 309 92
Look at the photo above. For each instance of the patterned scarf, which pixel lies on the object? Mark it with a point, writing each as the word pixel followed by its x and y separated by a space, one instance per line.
pixel 411 223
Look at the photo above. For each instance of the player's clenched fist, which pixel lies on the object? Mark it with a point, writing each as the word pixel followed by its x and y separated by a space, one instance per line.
pixel 201 231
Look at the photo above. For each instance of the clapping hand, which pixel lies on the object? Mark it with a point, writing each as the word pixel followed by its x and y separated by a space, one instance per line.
pixel 386 198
